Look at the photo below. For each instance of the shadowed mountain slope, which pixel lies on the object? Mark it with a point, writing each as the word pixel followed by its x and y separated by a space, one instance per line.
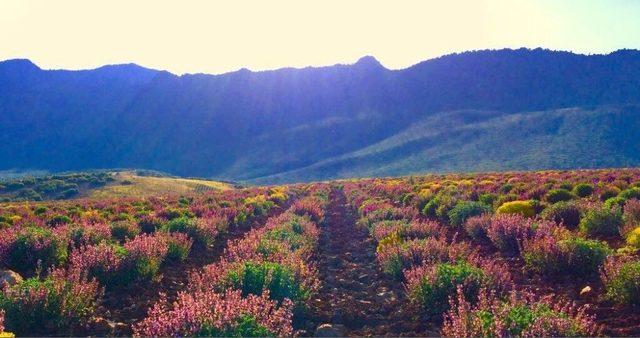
pixel 485 110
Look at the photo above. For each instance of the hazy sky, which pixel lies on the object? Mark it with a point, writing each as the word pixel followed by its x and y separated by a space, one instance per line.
pixel 220 36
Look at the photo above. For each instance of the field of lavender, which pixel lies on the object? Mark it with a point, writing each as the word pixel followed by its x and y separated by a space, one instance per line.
pixel 549 253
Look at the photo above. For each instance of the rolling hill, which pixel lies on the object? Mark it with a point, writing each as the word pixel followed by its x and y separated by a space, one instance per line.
pixel 482 110
pixel 101 185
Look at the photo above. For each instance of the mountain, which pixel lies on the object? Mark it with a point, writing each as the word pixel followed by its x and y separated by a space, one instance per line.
pixel 481 110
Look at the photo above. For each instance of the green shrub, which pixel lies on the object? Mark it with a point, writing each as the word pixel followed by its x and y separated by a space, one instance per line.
pixel 583 190
pixel 149 224
pixel 565 213
pixel 465 209
pixel 488 198
pixel 69 193
pixel 633 238
pixel 178 249
pixel 630 193
pixel 123 230
pixel 29 194
pixel 245 326
pixel 621 278
pixel 502 199
pixel 439 206
pixel 506 188
pixel 254 278
pixel 565 186
pixel 584 257
pixel 523 208
pixel 615 202
pixel 59 220
pixel 432 291
pixel 182 224
pixel 291 233
pixel 601 221
pixel 40 210
pixel 559 195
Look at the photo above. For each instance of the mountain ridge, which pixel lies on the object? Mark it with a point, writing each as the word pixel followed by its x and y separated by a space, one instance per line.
pixel 621 51
pixel 250 126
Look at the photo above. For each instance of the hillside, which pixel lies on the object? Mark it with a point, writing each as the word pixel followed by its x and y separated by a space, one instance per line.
pixel 100 185
pixel 457 112
pixel 128 184
pixel 471 140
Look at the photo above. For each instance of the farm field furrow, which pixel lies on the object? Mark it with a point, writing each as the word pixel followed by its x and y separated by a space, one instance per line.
pixel 355 294
pixel 132 306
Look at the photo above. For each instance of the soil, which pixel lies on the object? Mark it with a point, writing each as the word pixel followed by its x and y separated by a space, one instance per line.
pixel 355 293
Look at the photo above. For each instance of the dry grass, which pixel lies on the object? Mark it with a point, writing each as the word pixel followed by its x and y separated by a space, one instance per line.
pixel 128 184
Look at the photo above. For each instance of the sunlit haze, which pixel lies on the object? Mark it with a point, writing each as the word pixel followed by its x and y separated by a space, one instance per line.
pixel 222 36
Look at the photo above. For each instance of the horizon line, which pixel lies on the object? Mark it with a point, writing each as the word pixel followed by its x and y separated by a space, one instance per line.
pixel 360 59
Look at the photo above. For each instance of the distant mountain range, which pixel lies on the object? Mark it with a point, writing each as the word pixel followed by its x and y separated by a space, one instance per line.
pixel 482 110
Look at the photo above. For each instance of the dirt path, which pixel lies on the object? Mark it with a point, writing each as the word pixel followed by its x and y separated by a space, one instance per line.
pixel 126 307
pixel 355 293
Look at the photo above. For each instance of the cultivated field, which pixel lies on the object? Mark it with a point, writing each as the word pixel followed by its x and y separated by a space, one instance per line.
pixel 550 253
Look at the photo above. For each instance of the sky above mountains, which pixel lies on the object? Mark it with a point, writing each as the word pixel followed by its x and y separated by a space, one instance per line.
pixel 221 36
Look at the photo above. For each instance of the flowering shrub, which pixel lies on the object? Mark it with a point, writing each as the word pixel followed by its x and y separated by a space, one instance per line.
pixel 396 255
pixel 208 228
pixel 89 233
pixel 100 261
pixel 386 214
pixel 384 229
pixel 506 232
pixel 22 248
pixel 179 246
pixel 58 220
pixel 464 210
pixel 476 226
pixel 631 215
pixel 259 204
pixel 600 220
pixel 145 254
pixel 207 313
pixel 57 304
pixel 204 230
pixel 584 256
pixel 557 252
pixel 522 208
pixel 139 259
pixel 621 278
pixel 309 207
pixel 521 315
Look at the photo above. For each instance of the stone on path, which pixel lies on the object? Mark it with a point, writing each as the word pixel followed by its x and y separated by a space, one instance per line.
pixel 9 277
pixel 330 330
